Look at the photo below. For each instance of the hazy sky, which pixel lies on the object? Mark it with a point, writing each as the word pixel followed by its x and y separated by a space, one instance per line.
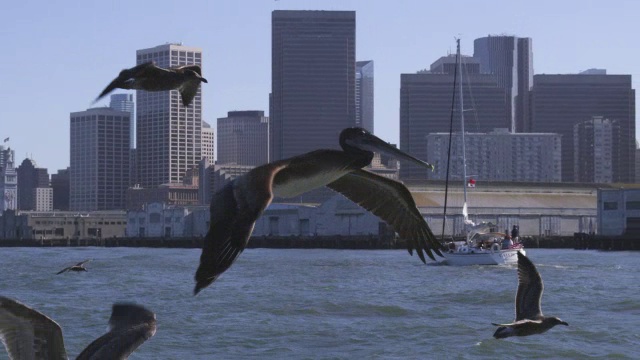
pixel 57 56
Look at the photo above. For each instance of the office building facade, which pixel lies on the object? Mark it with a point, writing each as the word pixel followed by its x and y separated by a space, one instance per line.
pixel 243 138
pixel 168 133
pixel 510 59
pixel 498 155
pixel 99 165
pixel 30 177
pixel 596 145
pixel 313 80
pixel 364 94
pixel 426 106
pixel 61 192
pixel 208 142
pixel 559 102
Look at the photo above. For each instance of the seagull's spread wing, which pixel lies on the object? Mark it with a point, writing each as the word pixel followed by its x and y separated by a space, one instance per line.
pixel 130 326
pixel 530 289
pixel 28 334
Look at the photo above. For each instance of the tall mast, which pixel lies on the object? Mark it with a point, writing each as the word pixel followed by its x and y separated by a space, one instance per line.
pixel 464 158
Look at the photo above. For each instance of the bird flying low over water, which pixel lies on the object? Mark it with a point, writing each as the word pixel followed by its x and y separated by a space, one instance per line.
pixel 28 334
pixel 236 207
pixel 529 318
pixel 77 267
pixel 186 79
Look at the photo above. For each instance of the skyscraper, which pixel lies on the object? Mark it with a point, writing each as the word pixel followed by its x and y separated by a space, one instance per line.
pixel 425 107
pixel 99 165
pixel 243 138
pixel 124 102
pixel 30 177
pixel 364 94
pixel 559 102
pixel 60 186
pixel 168 133
pixel 313 80
pixel 510 59
pixel 596 145
pixel 208 142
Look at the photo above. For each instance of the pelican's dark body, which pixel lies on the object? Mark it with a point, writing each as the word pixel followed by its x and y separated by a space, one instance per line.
pixel 529 319
pixel 186 79
pixel 236 207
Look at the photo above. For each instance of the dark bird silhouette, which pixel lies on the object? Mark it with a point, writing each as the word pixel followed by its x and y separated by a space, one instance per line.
pixel 186 79
pixel 77 267
pixel 529 318
pixel 237 206
pixel 28 334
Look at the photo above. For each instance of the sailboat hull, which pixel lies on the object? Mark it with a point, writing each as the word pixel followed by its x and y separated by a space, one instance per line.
pixel 482 257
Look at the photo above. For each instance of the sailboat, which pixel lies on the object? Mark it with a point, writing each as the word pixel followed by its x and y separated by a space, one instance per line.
pixel 482 244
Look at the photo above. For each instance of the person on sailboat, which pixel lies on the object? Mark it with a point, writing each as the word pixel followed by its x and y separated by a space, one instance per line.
pixel 507 242
pixel 515 232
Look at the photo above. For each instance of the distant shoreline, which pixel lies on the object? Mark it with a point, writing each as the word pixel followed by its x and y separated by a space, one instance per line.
pixel 365 242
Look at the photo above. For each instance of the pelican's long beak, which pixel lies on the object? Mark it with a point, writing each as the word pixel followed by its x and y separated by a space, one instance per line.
pixel 373 143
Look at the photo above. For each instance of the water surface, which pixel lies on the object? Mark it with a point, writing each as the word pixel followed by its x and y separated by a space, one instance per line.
pixel 332 304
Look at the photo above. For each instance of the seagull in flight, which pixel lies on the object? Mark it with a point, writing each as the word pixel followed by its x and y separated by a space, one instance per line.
pixel 529 319
pixel 28 334
pixel 77 267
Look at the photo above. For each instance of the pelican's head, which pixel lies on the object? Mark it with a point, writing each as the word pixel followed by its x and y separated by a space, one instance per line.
pixel 362 140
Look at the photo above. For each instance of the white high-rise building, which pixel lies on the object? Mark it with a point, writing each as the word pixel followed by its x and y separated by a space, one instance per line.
pixel 208 142
pixel 43 198
pixel 99 164
pixel 168 133
pixel 497 156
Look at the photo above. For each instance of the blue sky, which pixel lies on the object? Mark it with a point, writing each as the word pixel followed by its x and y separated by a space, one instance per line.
pixel 56 58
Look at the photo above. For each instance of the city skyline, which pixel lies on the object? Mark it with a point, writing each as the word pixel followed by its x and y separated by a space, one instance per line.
pixel 239 65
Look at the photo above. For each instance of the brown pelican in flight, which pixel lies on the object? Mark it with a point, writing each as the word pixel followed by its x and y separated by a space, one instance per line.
pixel 237 206
pixel 77 267
pixel 28 334
pixel 186 79
pixel 529 318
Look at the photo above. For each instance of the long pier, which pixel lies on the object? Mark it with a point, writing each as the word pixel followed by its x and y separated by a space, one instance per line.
pixel 579 241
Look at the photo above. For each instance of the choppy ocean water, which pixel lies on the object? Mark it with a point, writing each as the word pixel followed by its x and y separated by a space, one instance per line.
pixel 333 304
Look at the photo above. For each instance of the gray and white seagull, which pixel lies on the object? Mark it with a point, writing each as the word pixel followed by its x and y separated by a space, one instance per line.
pixel 77 267
pixel 28 334
pixel 529 318
pixel 147 76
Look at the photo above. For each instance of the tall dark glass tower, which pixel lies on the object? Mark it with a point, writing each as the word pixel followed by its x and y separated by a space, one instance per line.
pixel 560 102
pixel 425 107
pixel 312 80
pixel 510 59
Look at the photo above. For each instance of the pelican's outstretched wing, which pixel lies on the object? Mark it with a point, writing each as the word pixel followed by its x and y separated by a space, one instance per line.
pixel 392 202
pixel 234 211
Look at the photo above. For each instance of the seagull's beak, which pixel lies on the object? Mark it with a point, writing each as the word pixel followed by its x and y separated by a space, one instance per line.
pixel 373 143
